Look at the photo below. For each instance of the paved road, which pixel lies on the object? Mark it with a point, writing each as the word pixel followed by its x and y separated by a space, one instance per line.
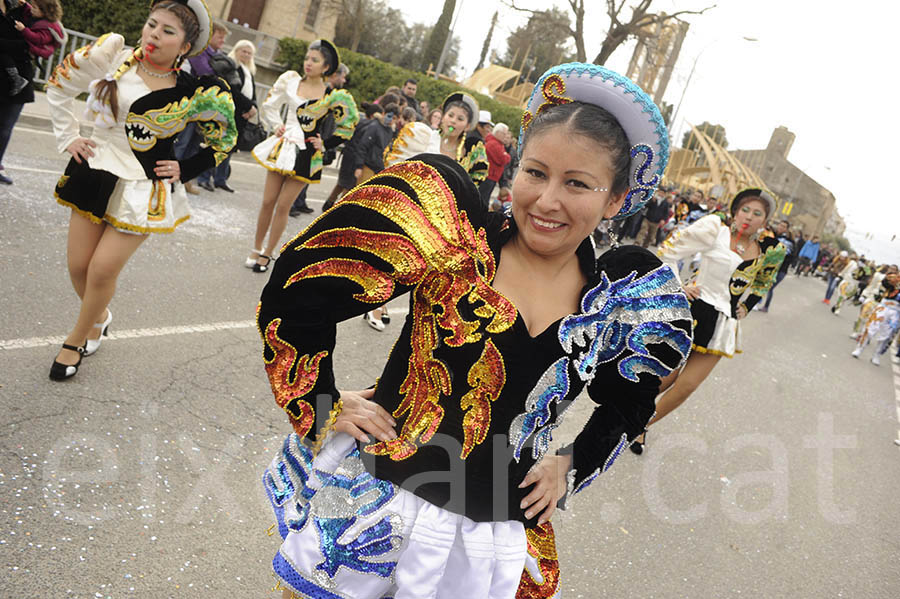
pixel 139 478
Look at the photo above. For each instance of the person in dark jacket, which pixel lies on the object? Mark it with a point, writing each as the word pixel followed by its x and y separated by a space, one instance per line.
pixel 782 234
pixel 350 160
pixel 378 136
pixel 656 216
pixel 237 69
pixel 13 44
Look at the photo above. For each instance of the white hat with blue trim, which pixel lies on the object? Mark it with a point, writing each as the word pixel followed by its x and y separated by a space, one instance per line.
pixel 633 109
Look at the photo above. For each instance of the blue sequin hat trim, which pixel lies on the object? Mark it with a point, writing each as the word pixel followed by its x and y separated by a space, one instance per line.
pixel 637 114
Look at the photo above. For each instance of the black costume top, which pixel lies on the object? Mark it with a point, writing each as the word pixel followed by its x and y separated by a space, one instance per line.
pixel 475 396
pixel 472 155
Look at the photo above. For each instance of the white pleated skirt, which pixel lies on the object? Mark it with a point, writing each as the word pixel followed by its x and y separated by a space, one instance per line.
pixel 347 534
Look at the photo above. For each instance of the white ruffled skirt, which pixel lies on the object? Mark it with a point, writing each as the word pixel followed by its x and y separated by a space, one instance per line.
pixel 348 534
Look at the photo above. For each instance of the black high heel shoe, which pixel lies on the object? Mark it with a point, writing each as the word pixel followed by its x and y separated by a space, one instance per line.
pixel 61 372
pixel 262 267
pixel 637 447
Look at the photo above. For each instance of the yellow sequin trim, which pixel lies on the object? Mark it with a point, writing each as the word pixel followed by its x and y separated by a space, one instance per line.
pixel 487 378
pixel 446 259
pixel 328 426
pixel 283 172
pixel 713 352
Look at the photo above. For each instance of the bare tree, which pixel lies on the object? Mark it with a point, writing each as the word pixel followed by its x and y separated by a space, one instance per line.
pixel 640 22
pixel 618 31
pixel 577 32
pixel 356 13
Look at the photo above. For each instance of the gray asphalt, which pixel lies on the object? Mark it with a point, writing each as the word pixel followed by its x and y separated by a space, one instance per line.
pixel 140 477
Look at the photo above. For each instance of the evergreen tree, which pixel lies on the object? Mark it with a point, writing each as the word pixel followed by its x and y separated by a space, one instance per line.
pixel 487 42
pixel 438 37
pixel 96 17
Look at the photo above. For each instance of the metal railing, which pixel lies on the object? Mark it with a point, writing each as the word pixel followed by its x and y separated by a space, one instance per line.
pixel 46 65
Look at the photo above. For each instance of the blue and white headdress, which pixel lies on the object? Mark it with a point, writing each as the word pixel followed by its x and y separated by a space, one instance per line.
pixel 635 111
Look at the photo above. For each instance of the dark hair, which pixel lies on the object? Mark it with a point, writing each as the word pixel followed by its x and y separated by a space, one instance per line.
pixel 389 98
pixel 370 108
pixel 595 123
pixel 392 108
pixel 327 53
pixel 185 15
pixel 409 114
pixel 411 80
pixel 51 9
pixel 463 105
pixel 107 92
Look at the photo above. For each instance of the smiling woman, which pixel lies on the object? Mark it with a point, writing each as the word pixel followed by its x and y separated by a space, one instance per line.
pixel 123 182
pixel 438 482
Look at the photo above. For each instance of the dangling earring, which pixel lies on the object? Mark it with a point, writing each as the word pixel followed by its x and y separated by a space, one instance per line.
pixel 733 227
pixel 179 61
pixel 613 239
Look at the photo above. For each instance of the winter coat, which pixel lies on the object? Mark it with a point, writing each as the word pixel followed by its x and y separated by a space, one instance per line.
pixel 13 44
pixel 498 158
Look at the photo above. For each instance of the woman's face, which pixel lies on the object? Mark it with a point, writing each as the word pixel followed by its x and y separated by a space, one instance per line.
pixel 751 216
pixel 455 118
pixel 163 38
pixel 560 193
pixel 435 119
pixel 314 64
pixel 244 54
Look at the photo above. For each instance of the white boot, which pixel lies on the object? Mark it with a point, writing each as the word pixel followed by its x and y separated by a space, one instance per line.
pixel 856 352
pixel 875 360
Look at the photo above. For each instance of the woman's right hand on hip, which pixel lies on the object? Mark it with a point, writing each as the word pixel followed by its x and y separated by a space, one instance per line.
pixel 361 415
pixel 80 149
pixel 692 291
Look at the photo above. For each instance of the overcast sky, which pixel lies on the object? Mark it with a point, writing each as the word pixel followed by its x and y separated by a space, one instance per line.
pixel 826 73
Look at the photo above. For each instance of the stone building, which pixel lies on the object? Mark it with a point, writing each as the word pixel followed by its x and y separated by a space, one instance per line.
pixel 811 205
pixel 302 19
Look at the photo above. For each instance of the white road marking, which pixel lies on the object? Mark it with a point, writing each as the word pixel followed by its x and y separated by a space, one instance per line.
pixel 153 332
pixel 56 171
pixel 18 128
pixel 134 333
